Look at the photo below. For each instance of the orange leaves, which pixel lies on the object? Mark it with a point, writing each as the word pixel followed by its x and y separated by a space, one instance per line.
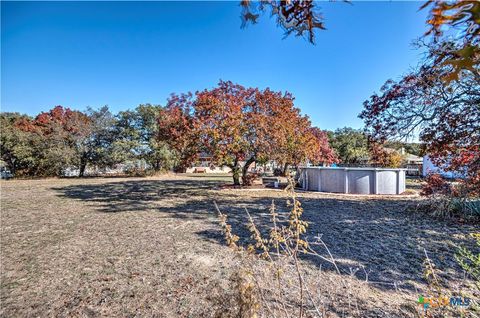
pixel 453 13
pixel 462 20
pixel 233 123
pixel 63 121
pixel 176 126
pixel 300 17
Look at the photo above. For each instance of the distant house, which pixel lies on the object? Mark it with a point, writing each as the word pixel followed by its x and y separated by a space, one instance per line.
pixel 412 159
pixel 411 162
pixel 408 158
pixel 204 165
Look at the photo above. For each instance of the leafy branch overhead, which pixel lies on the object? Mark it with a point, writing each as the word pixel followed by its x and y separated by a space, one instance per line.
pixel 296 16
pixel 454 23
pixel 445 116
pixel 457 24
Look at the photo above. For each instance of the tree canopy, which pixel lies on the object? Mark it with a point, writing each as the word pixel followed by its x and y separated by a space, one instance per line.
pixel 53 142
pixel 445 115
pixel 350 145
pixel 239 126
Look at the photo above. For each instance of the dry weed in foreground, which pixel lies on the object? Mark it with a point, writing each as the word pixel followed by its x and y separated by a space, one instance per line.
pixel 271 280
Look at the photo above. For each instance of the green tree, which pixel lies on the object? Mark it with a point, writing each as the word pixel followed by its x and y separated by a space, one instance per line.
pixel 96 148
pixel 137 138
pixel 351 145
pixel 16 145
pixel 155 152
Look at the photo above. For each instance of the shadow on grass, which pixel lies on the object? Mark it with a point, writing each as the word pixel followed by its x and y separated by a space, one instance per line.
pixel 366 236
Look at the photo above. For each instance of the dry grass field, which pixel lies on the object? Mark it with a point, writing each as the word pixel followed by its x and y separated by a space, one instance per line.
pixel 152 247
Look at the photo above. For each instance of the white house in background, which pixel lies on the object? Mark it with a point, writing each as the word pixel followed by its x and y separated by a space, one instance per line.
pixel 203 165
pixel 429 167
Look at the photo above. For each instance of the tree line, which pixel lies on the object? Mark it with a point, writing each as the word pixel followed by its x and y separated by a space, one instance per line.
pixel 49 143
pixel 235 125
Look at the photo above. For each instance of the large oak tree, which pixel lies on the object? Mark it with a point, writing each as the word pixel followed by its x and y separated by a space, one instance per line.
pixel 239 126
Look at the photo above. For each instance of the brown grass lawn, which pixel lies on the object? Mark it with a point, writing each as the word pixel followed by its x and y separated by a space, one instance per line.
pixel 152 247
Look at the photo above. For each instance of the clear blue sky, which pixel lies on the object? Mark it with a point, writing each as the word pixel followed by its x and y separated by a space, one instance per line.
pixel 121 54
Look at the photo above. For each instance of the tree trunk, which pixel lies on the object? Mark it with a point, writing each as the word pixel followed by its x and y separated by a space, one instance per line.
pixel 236 175
pixel 245 168
pixel 285 169
pixel 156 166
pixel 83 166
pixel 236 172
pixel 13 167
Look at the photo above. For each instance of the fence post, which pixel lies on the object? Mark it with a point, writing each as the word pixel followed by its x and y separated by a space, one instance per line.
pixel 346 181
pixel 398 182
pixel 306 179
pixel 319 179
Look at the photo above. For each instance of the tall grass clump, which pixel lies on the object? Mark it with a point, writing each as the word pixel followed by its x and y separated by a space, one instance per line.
pixel 272 280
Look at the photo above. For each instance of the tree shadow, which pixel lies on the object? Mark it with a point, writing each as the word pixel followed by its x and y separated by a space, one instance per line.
pixel 366 236
pixel 137 195
pixel 377 240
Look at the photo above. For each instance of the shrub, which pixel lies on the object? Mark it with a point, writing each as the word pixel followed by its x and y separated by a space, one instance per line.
pixel 277 172
pixel 470 261
pixel 249 178
pixel 465 209
pixel 435 184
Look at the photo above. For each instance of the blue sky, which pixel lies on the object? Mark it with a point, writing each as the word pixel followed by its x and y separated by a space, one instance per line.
pixel 121 54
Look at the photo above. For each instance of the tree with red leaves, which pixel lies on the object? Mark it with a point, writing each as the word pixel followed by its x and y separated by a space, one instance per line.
pixel 224 118
pixel 445 115
pixel 298 142
pixel 456 25
pixel 64 131
pixel 55 140
pixel 321 153
pixel 176 128
pixel 240 126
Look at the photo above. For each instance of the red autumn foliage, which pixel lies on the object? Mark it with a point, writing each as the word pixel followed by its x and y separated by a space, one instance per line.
pixel 446 117
pixel 378 155
pixel 322 153
pixel 239 126
pixel 64 121
pixel 436 184
pixel 461 52
pixel 176 127
pixel 224 118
